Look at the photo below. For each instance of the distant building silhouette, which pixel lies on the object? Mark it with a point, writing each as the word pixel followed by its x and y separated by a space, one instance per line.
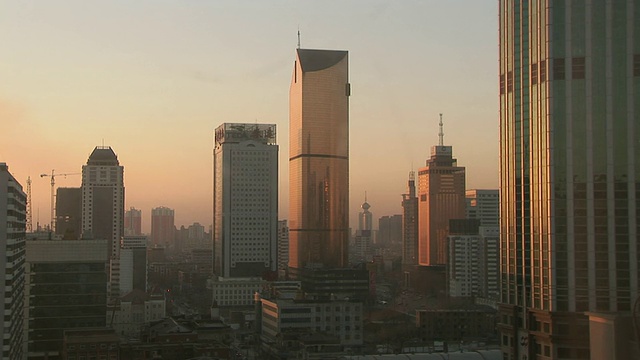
pixel 162 226
pixel 319 160
pixel 389 230
pixel 69 213
pixel 410 223
pixel 133 221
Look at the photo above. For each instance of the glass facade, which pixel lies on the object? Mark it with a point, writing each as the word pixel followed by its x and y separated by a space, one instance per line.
pixel 319 160
pixel 568 169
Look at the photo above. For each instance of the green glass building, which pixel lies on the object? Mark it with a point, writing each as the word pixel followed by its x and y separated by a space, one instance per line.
pixel 569 175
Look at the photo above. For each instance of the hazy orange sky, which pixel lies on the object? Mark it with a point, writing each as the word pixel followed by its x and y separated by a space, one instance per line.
pixel 154 78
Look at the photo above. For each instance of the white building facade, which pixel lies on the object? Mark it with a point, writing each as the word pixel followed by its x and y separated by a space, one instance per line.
pixel 245 211
pixel 236 291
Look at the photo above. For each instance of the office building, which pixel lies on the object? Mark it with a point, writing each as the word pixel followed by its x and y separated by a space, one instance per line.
pixel 484 205
pixel 319 160
pixel 236 292
pixel 13 215
pixel 472 264
pixel 163 229
pixel 133 221
pixel 441 190
pixel 389 230
pixel 283 245
pixel 69 213
pixel 65 288
pixel 245 200
pixel 103 206
pixel 569 178
pixel 410 223
pixel 133 264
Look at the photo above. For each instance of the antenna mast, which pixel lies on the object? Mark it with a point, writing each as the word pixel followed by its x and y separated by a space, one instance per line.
pixel 298 37
pixel 441 134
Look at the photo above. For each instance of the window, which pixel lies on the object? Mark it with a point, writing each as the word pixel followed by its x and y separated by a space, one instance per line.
pixel 558 69
pixel 577 68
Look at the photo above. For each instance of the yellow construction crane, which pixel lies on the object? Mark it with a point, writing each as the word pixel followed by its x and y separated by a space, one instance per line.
pixel 53 184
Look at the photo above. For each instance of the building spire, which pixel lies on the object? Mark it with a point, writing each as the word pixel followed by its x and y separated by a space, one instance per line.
pixel 441 133
pixel 298 36
pixel 365 196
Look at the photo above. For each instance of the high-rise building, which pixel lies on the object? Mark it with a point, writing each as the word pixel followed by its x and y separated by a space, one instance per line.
pixel 569 177
pixel 163 229
pixel 389 230
pixel 410 223
pixel 65 288
pixel 69 213
pixel 484 205
pixel 283 245
pixel 13 208
pixel 245 200
pixel 103 205
pixel 133 221
pixel 441 190
pixel 133 264
pixel 319 160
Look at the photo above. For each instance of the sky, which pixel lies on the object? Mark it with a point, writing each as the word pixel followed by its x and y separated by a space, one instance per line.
pixel 154 78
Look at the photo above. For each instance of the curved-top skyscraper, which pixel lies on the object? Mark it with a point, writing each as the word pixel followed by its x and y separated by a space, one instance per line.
pixel 319 160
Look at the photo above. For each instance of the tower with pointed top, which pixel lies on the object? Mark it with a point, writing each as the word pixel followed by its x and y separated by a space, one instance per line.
pixel 441 197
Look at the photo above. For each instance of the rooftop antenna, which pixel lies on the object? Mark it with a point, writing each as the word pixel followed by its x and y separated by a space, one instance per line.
pixel 441 134
pixel 365 196
pixel 298 36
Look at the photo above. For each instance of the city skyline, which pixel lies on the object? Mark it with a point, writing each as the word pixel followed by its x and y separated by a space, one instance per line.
pixel 76 75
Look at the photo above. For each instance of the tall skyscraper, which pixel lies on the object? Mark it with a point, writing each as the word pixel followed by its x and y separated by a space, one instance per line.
pixel 484 205
pixel 133 221
pixel 163 229
pixel 410 223
pixel 569 177
pixel 245 200
pixel 319 160
pixel 389 230
pixel 441 188
pixel 13 208
pixel 103 205
pixel 103 198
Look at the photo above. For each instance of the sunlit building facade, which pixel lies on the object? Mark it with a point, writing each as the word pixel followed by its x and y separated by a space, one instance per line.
pixel 245 200
pixel 441 197
pixel 319 160
pixel 569 177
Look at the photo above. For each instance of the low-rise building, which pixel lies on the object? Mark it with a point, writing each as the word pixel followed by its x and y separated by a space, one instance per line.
pixel 134 310
pixel 236 291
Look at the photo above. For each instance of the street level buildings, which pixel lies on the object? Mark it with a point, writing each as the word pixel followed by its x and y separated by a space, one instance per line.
pixel 245 200
pixel 13 207
pixel 319 160
pixel 569 177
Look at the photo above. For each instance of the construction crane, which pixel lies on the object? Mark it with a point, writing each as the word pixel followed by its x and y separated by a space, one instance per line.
pixel 53 184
